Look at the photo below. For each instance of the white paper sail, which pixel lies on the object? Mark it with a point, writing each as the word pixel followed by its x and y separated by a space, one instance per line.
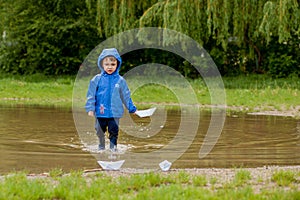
pixel 165 165
pixel 109 165
pixel 145 113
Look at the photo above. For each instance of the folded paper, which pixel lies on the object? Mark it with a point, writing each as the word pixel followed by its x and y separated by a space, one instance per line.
pixel 165 165
pixel 109 165
pixel 145 113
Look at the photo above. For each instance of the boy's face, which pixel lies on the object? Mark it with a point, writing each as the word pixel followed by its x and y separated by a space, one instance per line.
pixel 110 64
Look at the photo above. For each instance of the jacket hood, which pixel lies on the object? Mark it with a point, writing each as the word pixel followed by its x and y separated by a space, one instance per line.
pixel 109 52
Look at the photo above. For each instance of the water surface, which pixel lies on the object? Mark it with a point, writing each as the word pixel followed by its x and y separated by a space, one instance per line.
pixel 38 139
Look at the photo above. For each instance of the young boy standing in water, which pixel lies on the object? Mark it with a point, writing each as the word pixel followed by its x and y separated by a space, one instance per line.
pixel 107 92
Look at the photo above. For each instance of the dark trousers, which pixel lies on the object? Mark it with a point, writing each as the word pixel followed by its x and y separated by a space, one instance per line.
pixel 110 124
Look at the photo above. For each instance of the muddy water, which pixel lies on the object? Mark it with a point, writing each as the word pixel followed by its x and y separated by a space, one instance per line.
pixel 38 139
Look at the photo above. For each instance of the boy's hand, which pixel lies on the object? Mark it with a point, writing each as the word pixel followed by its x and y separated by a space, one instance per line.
pixel 91 113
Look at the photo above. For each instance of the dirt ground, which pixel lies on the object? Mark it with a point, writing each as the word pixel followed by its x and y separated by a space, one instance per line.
pixel 268 110
pixel 260 177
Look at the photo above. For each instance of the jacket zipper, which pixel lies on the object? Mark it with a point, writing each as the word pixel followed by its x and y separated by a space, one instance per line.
pixel 109 96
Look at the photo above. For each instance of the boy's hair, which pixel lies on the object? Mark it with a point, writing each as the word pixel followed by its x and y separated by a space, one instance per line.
pixel 111 58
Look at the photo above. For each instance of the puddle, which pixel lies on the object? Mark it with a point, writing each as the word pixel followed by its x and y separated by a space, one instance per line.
pixel 38 139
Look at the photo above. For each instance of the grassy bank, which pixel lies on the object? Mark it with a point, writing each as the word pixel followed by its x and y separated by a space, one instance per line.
pixel 36 90
pixel 254 92
pixel 181 184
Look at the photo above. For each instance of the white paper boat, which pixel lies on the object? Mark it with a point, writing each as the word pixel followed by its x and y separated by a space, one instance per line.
pixel 165 165
pixel 109 165
pixel 145 113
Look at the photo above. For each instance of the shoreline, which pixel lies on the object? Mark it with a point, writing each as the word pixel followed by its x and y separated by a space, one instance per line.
pixel 259 178
pixel 293 112
pixel 227 174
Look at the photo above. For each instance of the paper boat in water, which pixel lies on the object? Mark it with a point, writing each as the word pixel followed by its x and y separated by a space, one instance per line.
pixel 109 165
pixel 165 165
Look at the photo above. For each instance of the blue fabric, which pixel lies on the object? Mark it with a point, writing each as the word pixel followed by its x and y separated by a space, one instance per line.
pixel 112 126
pixel 108 92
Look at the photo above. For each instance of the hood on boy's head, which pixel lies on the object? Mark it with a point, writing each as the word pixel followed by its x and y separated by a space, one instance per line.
pixel 109 52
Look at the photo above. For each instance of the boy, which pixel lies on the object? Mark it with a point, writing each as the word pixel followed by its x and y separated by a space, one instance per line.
pixel 107 92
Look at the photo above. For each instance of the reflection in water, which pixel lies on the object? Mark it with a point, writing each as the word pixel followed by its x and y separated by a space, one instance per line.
pixel 38 139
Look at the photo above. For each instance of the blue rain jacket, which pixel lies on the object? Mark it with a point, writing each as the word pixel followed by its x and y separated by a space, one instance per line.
pixel 108 92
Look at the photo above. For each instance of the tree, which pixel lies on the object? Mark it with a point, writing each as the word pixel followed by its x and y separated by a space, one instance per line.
pixel 50 37
pixel 248 24
pixel 54 36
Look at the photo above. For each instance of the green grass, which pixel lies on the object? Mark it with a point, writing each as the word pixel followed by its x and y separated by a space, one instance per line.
pixel 284 178
pixel 263 91
pixel 151 185
pixel 36 90
pixel 242 177
pixel 251 92
pixel 56 173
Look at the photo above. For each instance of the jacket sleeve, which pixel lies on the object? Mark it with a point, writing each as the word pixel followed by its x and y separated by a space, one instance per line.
pixel 91 95
pixel 126 98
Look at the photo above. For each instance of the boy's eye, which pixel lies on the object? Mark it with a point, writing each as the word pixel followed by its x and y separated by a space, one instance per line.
pixel 111 64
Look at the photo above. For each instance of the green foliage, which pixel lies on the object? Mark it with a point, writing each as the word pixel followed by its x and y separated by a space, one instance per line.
pixel 119 15
pixel 284 178
pixel 230 62
pixel 50 37
pixel 281 65
pixel 282 60
pixel 280 18
pixel 234 32
pixel 54 37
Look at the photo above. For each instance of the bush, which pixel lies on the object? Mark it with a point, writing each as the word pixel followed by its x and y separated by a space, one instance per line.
pixel 50 37
pixel 282 59
pixel 281 65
